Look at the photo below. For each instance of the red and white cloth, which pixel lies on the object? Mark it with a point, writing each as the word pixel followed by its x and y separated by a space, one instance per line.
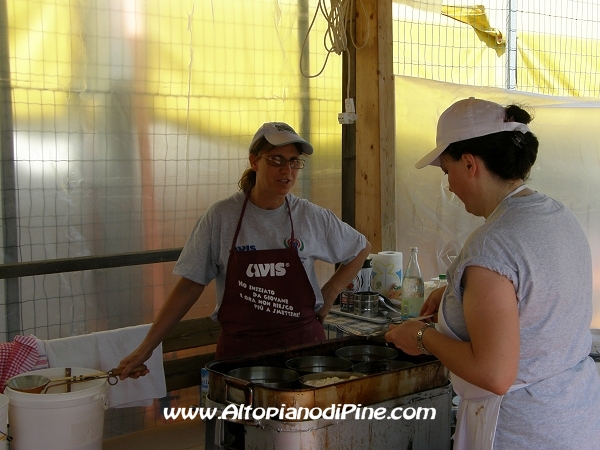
pixel 17 357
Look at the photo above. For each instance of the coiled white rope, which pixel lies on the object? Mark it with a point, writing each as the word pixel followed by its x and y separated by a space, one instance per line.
pixel 335 40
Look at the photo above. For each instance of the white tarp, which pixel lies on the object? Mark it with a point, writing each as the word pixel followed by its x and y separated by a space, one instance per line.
pixel 567 169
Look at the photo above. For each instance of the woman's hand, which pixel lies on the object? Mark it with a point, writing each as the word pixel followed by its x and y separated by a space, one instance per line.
pixel 131 362
pixel 432 304
pixel 404 336
pixel 322 313
pixel 344 274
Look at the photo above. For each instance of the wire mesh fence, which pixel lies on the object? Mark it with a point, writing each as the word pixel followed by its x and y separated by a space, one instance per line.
pixel 123 121
pixel 548 47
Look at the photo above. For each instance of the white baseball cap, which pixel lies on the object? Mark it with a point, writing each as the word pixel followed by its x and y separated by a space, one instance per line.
pixel 467 119
pixel 280 133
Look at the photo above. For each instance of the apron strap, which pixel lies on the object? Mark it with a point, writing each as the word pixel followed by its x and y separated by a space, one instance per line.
pixel 239 225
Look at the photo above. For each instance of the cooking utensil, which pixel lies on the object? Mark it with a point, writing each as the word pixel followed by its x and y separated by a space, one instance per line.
pixel 360 353
pixel 366 303
pixel 384 365
pixel 314 364
pixel 327 378
pixel 421 317
pixel 387 303
pixel 39 384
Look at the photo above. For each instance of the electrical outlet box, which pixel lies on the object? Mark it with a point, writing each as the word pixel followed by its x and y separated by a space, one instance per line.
pixel 347 118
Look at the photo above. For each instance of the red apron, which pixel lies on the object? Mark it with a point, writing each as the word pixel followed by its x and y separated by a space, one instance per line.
pixel 268 302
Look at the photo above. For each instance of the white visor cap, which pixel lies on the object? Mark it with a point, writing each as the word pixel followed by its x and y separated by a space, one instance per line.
pixel 467 119
pixel 280 133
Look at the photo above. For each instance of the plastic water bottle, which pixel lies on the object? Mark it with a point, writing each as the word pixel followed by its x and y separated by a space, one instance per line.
pixel 442 280
pixel 413 287
pixel 203 386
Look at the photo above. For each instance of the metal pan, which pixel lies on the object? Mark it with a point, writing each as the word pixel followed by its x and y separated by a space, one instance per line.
pixel 384 365
pixel 240 382
pixel 366 303
pixel 360 353
pixel 265 375
pixel 314 364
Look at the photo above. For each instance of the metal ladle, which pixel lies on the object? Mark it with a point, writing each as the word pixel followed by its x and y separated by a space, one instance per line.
pixel 39 384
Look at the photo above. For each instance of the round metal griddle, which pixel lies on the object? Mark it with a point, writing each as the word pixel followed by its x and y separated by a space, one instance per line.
pixel 383 365
pixel 362 353
pixel 314 364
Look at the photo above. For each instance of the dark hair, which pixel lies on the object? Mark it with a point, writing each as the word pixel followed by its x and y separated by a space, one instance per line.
pixel 508 154
pixel 248 179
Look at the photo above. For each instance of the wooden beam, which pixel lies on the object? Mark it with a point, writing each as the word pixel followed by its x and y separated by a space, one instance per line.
pixel 185 372
pixel 375 127
pixel 50 266
pixel 191 333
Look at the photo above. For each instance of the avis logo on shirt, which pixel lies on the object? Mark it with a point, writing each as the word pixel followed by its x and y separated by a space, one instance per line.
pixel 245 248
pixel 266 270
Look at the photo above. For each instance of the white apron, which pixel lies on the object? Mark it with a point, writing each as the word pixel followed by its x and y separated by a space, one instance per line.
pixel 478 410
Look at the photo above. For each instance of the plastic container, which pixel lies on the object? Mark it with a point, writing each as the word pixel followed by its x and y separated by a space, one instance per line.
pixel 361 282
pixel 204 386
pixel 442 280
pixel 59 421
pixel 3 420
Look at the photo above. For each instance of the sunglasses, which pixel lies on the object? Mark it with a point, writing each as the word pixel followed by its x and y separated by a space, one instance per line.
pixel 280 161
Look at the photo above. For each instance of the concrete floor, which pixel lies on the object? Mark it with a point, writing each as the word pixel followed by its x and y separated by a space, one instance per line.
pixel 183 435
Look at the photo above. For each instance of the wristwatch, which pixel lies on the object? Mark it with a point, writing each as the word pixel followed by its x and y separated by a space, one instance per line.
pixel 420 345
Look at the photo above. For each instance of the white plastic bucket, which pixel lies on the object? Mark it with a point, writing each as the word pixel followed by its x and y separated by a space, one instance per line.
pixel 59 421
pixel 3 420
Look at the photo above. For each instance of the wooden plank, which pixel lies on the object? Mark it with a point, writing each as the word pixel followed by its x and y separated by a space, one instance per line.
pixel 368 187
pixel 27 269
pixel 387 120
pixel 375 127
pixel 192 333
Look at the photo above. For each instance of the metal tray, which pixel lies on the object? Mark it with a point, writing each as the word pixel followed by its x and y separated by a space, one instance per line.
pixel 427 373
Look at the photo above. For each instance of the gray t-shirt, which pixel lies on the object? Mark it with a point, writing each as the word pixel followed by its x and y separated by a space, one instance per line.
pixel 319 234
pixel 538 244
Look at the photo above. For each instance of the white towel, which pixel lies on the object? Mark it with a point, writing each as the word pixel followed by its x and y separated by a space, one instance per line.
pixel 113 346
pixel 73 351
pixel 103 351
pixel 42 362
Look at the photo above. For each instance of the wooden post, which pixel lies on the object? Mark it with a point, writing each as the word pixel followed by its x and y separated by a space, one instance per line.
pixel 375 126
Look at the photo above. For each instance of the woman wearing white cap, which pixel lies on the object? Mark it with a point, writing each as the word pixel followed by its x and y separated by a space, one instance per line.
pixel 260 246
pixel 513 321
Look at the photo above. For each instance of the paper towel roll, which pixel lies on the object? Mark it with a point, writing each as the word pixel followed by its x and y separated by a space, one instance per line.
pixel 386 272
